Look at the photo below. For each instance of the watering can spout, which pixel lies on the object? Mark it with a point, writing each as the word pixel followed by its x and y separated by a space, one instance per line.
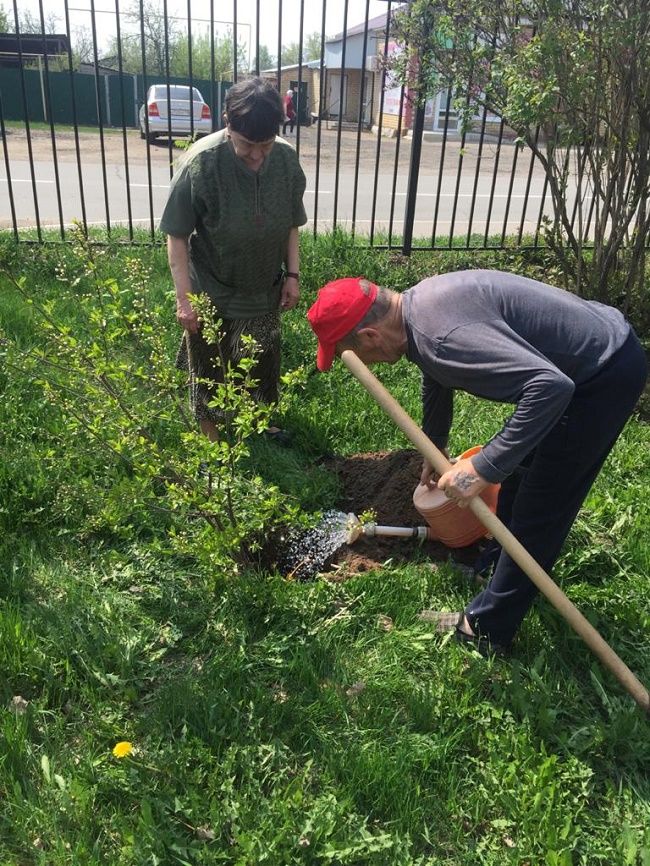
pixel 354 528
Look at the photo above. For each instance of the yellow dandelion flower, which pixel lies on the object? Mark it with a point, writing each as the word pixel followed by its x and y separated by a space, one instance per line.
pixel 122 749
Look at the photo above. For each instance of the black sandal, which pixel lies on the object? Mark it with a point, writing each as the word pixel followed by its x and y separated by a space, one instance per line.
pixel 480 643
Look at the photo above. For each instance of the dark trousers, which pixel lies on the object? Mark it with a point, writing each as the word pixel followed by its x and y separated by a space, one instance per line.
pixel 290 123
pixel 540 501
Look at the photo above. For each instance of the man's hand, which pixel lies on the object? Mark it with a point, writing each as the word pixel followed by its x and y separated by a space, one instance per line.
pixel 462 483
pixel 290 294
pixel 186 315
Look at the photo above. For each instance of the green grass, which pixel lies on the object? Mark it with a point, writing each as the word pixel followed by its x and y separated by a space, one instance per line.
pixel 276 722
pixel 19 126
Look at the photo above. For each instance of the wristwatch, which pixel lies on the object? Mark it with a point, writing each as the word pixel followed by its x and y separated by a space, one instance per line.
pixel 292 274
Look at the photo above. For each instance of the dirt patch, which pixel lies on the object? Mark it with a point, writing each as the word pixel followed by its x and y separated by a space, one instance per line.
pixel 381 481
pixel 384 482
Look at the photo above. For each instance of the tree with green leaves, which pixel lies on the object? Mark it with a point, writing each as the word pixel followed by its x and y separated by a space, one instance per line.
pixel 161 38
pixel 167 47
pixel 311 49
pixel 290 54
pixel 312 46
pixel 266 61
pixel 82 46
pixel 202 60
pixel 573 81
pixel 30 22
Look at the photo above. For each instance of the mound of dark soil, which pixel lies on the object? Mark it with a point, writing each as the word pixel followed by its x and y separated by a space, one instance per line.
pixel 383 482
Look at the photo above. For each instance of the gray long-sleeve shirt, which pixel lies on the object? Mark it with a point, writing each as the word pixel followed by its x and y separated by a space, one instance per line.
pixel 509 339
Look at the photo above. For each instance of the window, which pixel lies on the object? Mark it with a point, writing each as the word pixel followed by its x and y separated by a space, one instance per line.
pixel 176 91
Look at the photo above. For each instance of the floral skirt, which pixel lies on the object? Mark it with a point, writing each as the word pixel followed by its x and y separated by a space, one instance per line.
pixel 201 361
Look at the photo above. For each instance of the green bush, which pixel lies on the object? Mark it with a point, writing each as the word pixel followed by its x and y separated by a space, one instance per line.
pixel 99 369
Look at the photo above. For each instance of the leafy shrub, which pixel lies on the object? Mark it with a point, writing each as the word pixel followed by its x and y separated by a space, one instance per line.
pixel 107 387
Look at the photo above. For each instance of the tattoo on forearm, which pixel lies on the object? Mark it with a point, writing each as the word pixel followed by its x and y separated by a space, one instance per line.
pixel 463 481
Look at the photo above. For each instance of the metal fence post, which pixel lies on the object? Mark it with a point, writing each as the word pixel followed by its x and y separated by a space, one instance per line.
pixel 107 93
pixel 43 99
pixel 414 173
pixel 136 103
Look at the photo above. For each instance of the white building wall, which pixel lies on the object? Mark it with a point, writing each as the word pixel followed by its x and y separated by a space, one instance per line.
pixel 353 52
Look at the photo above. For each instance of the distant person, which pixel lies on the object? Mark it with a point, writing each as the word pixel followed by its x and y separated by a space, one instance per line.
pixel 289 112
pixel 573 369
pixel 231 219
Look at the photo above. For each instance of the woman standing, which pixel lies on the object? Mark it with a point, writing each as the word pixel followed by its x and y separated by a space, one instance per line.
pixel 232 221
pixel 289 112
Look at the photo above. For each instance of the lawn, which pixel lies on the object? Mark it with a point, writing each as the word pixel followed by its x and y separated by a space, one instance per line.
pixel 274 721
pixel 40 126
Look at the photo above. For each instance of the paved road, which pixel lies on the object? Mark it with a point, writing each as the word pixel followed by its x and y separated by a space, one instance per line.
pixel 455 211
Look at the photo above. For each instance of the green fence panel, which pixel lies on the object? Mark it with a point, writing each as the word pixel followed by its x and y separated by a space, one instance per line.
pixel 12 95
pixel 124 100
pixel 58 89
pixel 55 90
pixel 120 96
pixel 85 97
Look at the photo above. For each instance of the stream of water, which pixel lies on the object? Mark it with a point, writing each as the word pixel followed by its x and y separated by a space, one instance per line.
pixel 308 552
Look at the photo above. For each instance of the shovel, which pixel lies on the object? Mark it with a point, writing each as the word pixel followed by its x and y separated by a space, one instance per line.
pixel 503 535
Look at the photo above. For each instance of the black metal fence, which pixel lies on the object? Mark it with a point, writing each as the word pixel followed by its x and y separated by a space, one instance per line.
pixel 77 145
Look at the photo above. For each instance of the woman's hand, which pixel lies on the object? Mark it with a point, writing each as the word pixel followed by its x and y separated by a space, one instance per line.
pixel 178 256
pixel 186 315
pixel 290 293
pixel 462 483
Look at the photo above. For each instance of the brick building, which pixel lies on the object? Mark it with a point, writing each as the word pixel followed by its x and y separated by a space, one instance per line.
pixel 306 95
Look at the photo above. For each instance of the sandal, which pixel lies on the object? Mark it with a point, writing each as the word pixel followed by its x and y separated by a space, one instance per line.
pixel 443 620
pixel 280 437
pixel 480 643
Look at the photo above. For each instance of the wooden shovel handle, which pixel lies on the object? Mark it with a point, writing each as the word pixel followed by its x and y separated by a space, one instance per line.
pixel 503 535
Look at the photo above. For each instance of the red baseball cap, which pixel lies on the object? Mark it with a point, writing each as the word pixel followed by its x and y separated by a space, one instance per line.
pixel 339 307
